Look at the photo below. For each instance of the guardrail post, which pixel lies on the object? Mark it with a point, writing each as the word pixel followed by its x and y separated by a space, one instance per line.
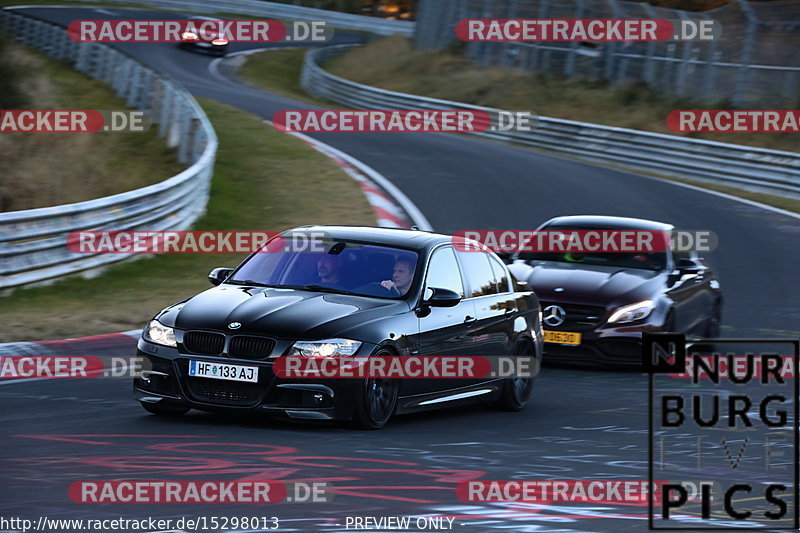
pixel 82 57
pixel 156 102
pixel 109 67
pixel 789 91
pixel 680 79
pixel 570 60
pixel 510 51
pixel 711 69
pixel 96 58
pixel 119 75
pixel 135 86
pixel 649 62
pixel 187 135
pixel 165 112
pixel 149 85
pixel 534 54
pixel 196 136
pixel 611 48
pixel 750 33
pixel 174 120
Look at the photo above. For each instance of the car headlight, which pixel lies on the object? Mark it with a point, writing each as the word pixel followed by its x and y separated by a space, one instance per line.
pixel 220 41
pixel 189 36
pixel 160 334
pixel 326 348
pixel 632 313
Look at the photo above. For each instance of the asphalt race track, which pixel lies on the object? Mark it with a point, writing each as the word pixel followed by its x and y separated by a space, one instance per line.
pixel 583 423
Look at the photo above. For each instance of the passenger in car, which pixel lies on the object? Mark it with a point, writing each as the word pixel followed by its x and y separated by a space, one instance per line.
pixel 402 275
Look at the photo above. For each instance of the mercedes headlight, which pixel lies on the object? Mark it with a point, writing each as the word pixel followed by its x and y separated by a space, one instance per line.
pixel 632 313
pixel 189 36
pixel 160 334
pixel 326 348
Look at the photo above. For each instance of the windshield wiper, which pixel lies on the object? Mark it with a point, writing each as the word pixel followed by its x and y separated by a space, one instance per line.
pixel 248 282
pixel 320 288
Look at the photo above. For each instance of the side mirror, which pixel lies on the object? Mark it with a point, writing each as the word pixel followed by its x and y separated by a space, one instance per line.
pixel 505 257
pixel 442 298
pixel 687 266
pixel 218 275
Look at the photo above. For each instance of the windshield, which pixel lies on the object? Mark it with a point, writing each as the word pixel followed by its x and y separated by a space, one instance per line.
pixel 642 260
pixel 646 261
pixel 333 266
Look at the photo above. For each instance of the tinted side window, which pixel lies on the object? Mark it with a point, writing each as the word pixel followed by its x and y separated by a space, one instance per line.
pixel 680 254
pixel 443 271
pixel 479 273
pixel 500 274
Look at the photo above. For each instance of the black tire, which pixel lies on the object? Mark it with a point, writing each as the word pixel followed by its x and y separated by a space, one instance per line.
pixel 517 391
pixel 669 322
pixel 376 401
pixel 714 323
pixel 165 409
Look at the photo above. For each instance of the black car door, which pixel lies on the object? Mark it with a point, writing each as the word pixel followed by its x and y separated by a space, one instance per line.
pixel 494 303
pixel 690 294
pixel 444 330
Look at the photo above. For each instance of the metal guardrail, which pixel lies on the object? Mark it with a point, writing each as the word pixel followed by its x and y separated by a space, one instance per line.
pixel 746 167
pixel 33 242
pixel 275 10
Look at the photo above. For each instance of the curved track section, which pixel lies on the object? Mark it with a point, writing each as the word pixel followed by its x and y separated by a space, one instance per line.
pixel 583 424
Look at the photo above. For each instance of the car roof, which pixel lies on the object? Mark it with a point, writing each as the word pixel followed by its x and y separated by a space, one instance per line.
pixel 401 238
pixel 608 222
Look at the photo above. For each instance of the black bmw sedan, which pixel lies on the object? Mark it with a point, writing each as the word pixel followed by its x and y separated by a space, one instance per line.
pixel 597 305
pixel 357 293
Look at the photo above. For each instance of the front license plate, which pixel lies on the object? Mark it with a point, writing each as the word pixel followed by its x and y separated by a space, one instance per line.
pixel 562 337
pixel 204 369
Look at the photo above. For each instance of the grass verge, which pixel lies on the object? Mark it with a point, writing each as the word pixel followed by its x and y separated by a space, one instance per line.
pixel 264 180
pixel 278 71
pixel 44 169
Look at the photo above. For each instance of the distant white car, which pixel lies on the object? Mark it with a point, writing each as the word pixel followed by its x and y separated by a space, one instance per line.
pixel 216 44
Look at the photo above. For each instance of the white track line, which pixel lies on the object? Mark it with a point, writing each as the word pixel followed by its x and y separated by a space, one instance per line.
pixel 724 195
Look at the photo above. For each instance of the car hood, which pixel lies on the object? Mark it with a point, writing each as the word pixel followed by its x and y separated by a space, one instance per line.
pixel 282 313
pixel 591 284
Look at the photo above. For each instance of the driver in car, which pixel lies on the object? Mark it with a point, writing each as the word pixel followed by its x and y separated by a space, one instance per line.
pixel 402 275
pixel 329 269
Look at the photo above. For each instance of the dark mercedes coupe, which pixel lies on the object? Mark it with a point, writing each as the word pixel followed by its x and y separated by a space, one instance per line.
pixel 597 305
pixel 363 292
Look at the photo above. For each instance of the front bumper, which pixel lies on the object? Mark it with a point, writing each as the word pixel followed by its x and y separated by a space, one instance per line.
pixel 613 346
pixel 164 378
